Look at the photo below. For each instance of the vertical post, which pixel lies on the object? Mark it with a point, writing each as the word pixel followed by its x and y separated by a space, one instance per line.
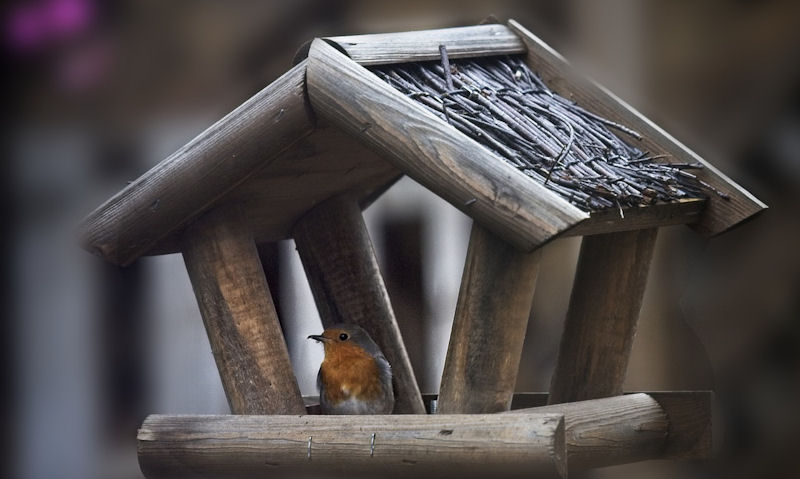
pixel 239 315
pixel 343 273
pixel 601 319
pixel 492 313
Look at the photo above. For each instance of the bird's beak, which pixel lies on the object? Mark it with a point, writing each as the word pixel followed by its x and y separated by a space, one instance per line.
pixel 318 337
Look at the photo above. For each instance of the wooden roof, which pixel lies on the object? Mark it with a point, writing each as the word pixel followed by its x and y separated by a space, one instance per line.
pixel 329 126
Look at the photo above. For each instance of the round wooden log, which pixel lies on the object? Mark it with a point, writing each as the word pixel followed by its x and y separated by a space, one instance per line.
pixel 615 430
pixel 491 317
pixel 347 285
pixel 239 316
pixel 182 186
pixel 601 319
pixel 255 446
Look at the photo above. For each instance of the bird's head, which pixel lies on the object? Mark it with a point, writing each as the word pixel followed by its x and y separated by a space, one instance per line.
pixel 340 337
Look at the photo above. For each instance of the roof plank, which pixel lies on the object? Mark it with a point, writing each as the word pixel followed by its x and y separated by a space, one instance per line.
pixel 434 153
pixel 186 183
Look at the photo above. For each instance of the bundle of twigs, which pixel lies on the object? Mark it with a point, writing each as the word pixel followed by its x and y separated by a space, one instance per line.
pixel 501 104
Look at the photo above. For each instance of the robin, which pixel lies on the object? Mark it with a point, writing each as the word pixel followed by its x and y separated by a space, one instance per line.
pixel 354 377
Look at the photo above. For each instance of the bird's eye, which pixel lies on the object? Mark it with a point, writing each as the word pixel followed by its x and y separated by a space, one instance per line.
pixel 343 337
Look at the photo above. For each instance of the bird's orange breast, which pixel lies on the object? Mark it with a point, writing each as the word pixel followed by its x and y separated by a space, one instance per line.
pixel 349 371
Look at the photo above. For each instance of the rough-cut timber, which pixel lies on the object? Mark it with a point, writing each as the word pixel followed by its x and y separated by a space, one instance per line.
pixel 434 153
pixel 185 184
pixel 601 319
pixel 491 317
pixel 239 316
pixel 461 42
pixel 347 285
pixel 721 214
pixel 262 446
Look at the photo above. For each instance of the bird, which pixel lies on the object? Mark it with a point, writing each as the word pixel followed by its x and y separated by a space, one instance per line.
pixel 354 377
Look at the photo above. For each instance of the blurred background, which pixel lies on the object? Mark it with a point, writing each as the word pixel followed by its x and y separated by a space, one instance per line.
pixel 98 92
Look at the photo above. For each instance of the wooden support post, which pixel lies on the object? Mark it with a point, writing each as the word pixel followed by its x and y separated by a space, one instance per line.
pixel 343 273
pixel 494 304
pixel 239 316
pixel 442 445
pixel 601 319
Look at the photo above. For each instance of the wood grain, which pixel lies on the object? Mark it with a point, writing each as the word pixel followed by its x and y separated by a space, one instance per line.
pixel 461 42
pixel 491 318
pixel 689 435
pixel 720 214
pixel 342 270
pixel 188 182
pixel 610 431
pixel 257 446
pixel 239 315
pixel 434 153
pixel 601 319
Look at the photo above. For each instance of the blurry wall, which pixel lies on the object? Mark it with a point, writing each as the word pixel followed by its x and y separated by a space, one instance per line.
pixel 101 91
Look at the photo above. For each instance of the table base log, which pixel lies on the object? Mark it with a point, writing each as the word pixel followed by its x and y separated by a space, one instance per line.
pixel 254 446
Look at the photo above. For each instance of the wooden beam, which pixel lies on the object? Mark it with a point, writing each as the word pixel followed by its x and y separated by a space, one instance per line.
pixel 601 319
pixel 258 446
pixel 491 317
pixel 721 214
pixel 343 273
pixel 239 316
pixel 639 217
pixel 494 193
pixel 461 42
pixel 188 182
pixel 634 427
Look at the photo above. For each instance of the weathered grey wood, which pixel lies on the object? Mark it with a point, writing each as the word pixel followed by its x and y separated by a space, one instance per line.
pixel 185 184
pixel 455 167
pixel 601 318
pixel 257 446
pixel 461 42
pixel 689 434
pixel 642 217
pixel 720 214
pixel 615 430
pixel 491 317
pixel 239 316
pixel 347 285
